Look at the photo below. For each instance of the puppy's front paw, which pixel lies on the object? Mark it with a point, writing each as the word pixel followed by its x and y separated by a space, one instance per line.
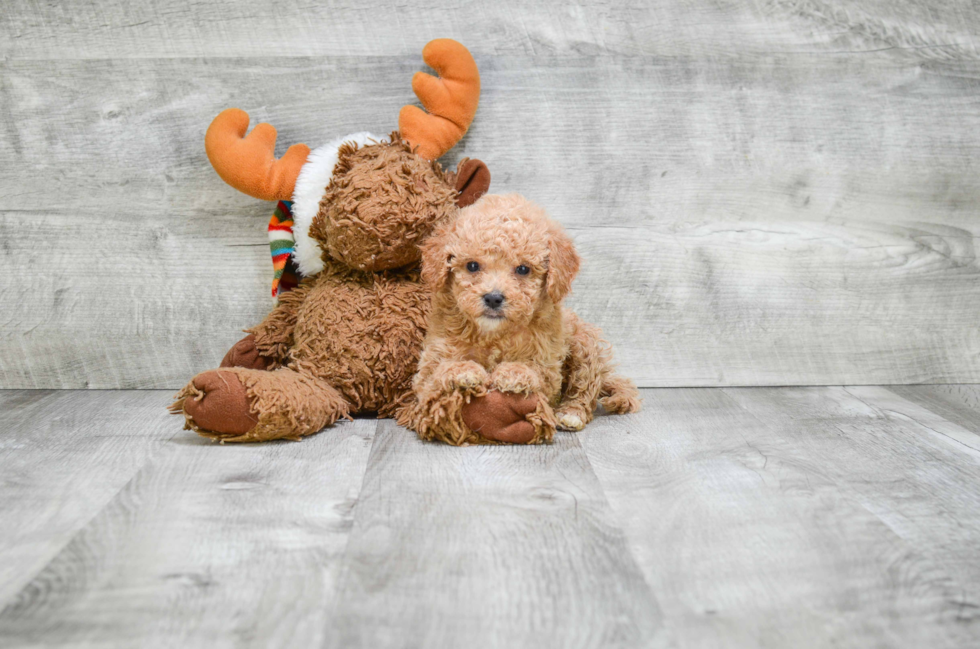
pixel 515 377
pixel 468 380
pixel 465 375
pixel 570 420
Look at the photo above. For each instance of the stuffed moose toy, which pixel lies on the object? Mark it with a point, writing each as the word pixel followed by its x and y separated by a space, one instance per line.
pixel 350 219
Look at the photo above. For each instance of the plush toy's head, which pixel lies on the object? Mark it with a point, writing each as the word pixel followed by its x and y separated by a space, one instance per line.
pixel 363 200
pixel 382 200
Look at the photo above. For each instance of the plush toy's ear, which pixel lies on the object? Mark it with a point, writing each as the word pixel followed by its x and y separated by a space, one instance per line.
pixel 563 264
pixel 436 259
pixel 472 181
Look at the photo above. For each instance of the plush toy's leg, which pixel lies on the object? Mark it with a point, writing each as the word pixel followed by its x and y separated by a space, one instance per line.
pixel 246 405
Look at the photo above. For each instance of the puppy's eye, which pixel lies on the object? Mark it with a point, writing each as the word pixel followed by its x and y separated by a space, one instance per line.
pixel 522 270
pixel 472 266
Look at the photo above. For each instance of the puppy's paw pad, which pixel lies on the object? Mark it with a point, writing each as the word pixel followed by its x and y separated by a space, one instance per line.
pixel 570 421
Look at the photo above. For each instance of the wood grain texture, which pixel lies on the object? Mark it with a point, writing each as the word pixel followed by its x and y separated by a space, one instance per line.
pixel 283 28
pixel 794 517
pixel 959 404
pixel 922 487
pixel 206 545
pixel 947 430
pixel 487 547
pixel 780 192
pixel 63 457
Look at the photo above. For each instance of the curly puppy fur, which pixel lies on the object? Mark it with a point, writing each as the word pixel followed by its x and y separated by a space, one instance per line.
pixel 530 345
pixel 348 339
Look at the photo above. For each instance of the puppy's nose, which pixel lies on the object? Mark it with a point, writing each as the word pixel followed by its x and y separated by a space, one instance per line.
pixel 493 299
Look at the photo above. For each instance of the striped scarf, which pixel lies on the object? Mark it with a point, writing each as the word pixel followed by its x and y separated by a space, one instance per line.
pixel 282 244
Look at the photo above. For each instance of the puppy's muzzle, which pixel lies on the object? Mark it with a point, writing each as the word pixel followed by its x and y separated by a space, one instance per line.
pixel 494 300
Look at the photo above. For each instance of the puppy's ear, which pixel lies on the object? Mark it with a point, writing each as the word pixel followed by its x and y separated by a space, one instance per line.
pixel 436 259
pixel 563 263
pixel 472 181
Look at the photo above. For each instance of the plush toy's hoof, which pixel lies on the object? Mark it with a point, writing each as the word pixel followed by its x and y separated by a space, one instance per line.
pixel 221 406
pixel 244 353
pixel 500 417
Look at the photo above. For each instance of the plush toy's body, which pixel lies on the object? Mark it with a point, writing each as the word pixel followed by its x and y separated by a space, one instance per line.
pixel 343 341
pixel 376 323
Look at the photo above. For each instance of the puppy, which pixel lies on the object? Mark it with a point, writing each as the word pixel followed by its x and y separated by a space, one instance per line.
pixel 499 273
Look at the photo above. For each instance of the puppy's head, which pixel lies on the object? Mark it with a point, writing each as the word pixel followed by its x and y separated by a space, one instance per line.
pixel 500 262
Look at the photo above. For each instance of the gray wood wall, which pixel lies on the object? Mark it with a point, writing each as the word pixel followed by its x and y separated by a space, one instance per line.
pixel 771 192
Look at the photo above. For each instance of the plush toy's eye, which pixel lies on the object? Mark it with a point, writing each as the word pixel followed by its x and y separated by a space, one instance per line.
pixel 472 266
pixel 522 270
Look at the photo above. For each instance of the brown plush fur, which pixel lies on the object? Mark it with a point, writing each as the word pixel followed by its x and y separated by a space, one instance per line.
pixel 530 346
pixel 348 339
pixel 362 221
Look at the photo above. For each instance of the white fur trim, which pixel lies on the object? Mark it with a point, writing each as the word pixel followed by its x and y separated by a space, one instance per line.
pixel 310 185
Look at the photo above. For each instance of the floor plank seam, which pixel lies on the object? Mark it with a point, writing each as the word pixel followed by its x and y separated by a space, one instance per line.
pixel 15 598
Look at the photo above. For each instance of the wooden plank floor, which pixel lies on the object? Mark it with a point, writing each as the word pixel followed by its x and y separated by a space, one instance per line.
pixel 773 517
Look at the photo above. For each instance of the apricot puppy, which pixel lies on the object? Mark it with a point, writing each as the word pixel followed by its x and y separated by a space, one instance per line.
pixel 498 335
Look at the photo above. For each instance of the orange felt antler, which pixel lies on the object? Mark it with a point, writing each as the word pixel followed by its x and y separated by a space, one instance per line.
pixel 450 99
pixel 248 163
